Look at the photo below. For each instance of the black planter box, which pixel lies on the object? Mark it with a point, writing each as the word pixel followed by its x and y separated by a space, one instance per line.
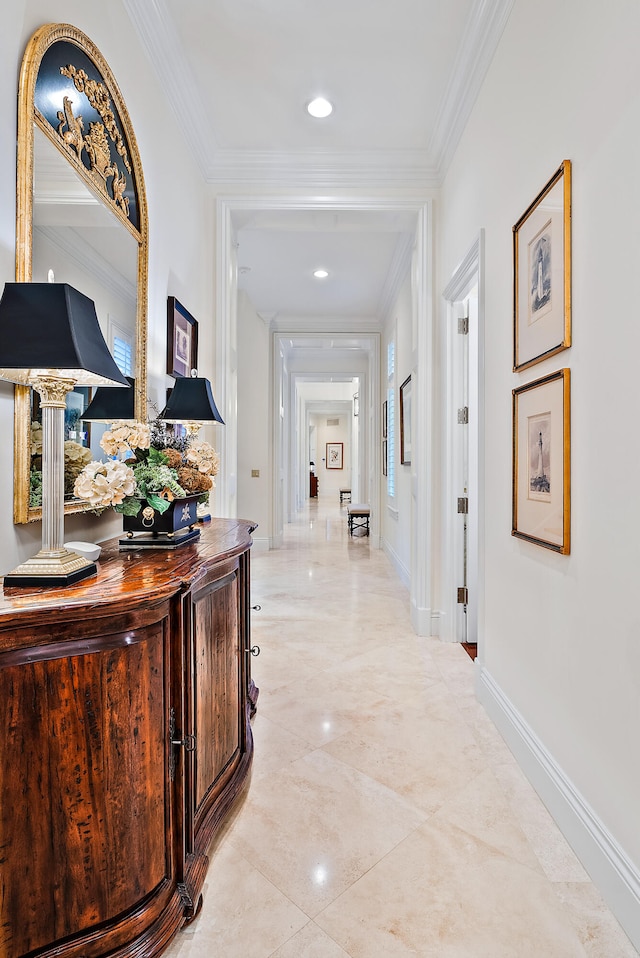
pixel 169 529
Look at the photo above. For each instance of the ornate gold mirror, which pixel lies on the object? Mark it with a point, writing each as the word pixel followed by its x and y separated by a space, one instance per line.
pixel 81 213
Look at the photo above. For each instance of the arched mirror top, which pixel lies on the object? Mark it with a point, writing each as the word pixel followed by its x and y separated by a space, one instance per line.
pixel 68 92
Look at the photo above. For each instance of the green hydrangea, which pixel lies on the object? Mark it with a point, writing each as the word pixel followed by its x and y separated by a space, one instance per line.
pixel 152 477
pixel 35 488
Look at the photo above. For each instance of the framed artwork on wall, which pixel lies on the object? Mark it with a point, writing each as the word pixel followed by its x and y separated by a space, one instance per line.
pixel 542 274
pixel 405 422
pixel 182 339
pixel 385 467
pixel 334 455
pixel 541 511
pixel 384 419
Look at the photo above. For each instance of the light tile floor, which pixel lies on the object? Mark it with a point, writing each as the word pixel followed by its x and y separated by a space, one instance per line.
pixel 385 816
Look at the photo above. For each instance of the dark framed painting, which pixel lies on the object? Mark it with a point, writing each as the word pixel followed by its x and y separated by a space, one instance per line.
pixel 384 419
pixel 405 422
pixel 385 461
pixel 182 339
pixel 542 274
pixel 541 462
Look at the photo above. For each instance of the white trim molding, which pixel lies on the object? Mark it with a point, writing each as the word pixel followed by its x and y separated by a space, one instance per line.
pixel 468 275
pixel 320 169
pixel 616 876
pixel 401 570
pixel 423 550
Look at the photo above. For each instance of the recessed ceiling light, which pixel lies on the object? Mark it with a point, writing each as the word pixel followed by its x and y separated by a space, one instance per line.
pixel 320 273
pixel 319 108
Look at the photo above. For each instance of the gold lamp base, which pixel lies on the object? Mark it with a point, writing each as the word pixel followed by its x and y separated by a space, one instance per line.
pixel 51 569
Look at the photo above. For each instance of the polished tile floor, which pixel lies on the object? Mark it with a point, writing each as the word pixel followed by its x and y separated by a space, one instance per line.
pixel 385 816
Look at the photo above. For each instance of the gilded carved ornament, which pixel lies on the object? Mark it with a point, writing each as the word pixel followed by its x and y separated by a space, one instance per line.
pixel 95 143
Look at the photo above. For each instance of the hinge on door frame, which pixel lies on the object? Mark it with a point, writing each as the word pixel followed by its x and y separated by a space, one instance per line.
pixel 463 325
pixel 463 596
pixel 463 415
pixel 463 506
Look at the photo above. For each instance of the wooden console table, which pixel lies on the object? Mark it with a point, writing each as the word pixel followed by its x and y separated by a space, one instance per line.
pixel 125 740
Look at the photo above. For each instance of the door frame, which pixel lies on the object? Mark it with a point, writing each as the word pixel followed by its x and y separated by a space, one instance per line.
pixel 226 381
pixel 468 274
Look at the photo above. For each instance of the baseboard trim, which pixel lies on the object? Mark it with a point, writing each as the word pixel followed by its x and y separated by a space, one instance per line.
pixel 422 620
pixel 261 544
pixel 610 869
pixel 401 569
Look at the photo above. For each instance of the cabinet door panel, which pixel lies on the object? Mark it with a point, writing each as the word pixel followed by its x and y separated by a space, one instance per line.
pixel 85 804
pixel 216 658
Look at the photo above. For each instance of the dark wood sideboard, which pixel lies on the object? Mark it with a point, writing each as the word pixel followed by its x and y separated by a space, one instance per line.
pixel 124 742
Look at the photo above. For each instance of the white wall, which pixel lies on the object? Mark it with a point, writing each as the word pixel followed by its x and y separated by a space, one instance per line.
pixel 560 643
pixel 181 222
pixel 254 421
pixel 330 481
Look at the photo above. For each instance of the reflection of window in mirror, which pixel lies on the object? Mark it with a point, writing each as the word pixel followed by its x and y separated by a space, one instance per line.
pixel 122 345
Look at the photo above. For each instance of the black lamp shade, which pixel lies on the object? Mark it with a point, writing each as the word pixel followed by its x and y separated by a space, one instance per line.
pixel 191 400
pixel 111 405
pixel 47 327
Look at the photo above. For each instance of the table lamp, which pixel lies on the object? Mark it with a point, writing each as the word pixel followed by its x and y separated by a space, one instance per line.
pixel 191 403
pixel 112 405
pixel 50 339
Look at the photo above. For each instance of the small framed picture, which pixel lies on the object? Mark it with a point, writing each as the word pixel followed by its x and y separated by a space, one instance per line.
pixel 385 463
pixel 182 339
pixel 384 419
pixel 334 455
pixel 542 274
pixel 542 461
pixel 405 422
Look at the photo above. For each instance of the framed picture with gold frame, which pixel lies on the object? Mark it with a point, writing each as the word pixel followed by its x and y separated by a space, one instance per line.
pixel 542 462
pixel 542 274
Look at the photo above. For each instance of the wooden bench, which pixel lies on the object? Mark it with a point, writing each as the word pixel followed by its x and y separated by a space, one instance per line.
pixel 358 517
pixel 345 494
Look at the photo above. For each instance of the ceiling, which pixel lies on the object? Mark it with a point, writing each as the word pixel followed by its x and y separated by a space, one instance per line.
pixel 403 78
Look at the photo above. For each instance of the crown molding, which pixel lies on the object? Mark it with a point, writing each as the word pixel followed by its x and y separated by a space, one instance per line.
pixel 479 43
pixel 338 327
pixel 417 170
pixel 81 253
pixel 158 36
pixel 398 270
pixel 395 169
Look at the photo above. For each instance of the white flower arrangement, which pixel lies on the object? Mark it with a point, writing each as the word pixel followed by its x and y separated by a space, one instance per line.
pixel 36 438
pixel 104 484
pixel 161 468
pixel 204 458
pixel 126 437
pixel 75 455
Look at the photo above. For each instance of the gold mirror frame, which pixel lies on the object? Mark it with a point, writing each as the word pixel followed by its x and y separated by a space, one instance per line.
pixel 28 117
